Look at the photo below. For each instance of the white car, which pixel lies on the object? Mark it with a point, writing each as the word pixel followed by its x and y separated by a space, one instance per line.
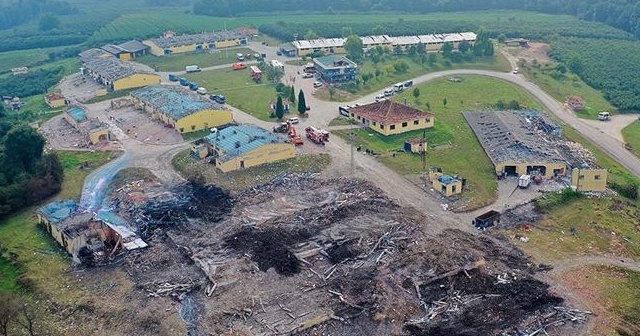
pixel 380 97
pixel 307 75
pixel 317 84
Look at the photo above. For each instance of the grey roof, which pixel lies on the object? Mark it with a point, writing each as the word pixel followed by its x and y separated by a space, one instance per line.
pixel 133 46
pixel 112 69
pixel 513 137
pixel 334 61
pixel 93 53
pixel 181 40
pixel 237 140
pixel 112 49
pixel 369 41
pixel 174 101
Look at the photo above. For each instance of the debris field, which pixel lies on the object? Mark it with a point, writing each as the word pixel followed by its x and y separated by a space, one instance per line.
pixel 308 256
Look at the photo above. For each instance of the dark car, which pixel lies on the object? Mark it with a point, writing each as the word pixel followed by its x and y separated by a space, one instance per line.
pixel 220 99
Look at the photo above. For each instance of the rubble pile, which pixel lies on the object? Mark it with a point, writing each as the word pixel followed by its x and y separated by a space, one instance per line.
pixel 310 256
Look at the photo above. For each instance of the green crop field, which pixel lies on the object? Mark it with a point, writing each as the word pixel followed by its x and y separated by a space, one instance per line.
pixel 631 136
pixel 237 85
pixel 461 153
pixel 204 59
pixel 19 58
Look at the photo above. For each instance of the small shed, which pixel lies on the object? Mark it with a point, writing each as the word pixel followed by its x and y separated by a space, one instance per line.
pixel 415 145
pixel 55 100
pixel 446 184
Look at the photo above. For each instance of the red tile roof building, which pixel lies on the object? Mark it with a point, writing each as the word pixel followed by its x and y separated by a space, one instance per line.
pixel 388 117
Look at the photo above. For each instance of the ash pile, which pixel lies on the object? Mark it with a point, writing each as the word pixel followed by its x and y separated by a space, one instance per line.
pixel 309 256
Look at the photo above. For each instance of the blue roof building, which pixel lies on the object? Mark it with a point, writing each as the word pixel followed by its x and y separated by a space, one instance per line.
pixel 245 146
pixel 183 110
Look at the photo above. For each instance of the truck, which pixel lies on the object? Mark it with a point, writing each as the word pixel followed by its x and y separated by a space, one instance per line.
pixel 193 86
pixel 486 220
pixel 318 136
pixel 202 91
pixel 184 81
pixel 524 181
pixel 192 68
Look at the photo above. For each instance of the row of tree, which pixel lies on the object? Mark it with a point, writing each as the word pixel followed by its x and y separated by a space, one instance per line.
pixel 622 14
pixel 14 13
pixel 27 174
pixel 31 83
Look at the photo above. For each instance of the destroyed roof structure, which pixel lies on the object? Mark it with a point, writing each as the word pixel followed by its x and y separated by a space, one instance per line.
pixel 513 142
pixel 181 109
pixel 174 101
pixel 389 117
pixel 92 128
pixel 244 146
pixel 111 69
pixel 183 40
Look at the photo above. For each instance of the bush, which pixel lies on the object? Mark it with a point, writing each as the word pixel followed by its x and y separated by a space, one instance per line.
pixel 629 190
pixel 551 200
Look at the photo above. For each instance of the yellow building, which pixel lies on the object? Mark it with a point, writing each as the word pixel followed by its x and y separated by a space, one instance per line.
pixel 178 44
pixel 55 100
pixel 237 147
pixel 589 179
pixel 388 117
pixel 126 51
pixel 514 142
pixel 445 184
pixel 181 109
pixel 116 74
pixel 415 145
pixel 94 130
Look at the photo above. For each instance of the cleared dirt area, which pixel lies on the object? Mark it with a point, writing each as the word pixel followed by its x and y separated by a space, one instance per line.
pixel 536 52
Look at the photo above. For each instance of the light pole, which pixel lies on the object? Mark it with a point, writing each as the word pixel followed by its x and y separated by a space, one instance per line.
pixel 352 137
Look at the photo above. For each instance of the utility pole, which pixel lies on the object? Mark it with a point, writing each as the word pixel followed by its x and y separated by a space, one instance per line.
pixel 352 137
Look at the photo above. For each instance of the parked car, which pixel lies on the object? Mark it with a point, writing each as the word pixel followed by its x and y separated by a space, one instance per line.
pixel 294 120
pixel 307 75
pixel 389 92
pixel 317 84
pixel 220 99
pixel 279 53
pixel 408 83
pixel 380 97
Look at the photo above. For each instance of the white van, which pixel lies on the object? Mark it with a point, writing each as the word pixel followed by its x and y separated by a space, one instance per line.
pixel 603 116
pixel 389 92
pixel 294 120
pixel 201 91
pixel 240 57
pixel 398 87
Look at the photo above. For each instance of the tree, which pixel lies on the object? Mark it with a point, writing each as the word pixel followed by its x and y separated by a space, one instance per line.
pixel 421 48
pixel 447 49
pixel 48 21
pixel 444 102
pixel 302 103
pixel 464 46
pixel 279 108
pixel 432 59
pixel 347 31
pixel 416 93
pixel 23 148
pixel 332 91
pixel 310 35
pixel 400 66
pixel 292 95
pixel 353 46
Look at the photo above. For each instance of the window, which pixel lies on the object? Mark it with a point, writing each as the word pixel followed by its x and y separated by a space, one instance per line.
pixel 597 177
pixel 581 177
pixel 392 127
pixel 453 188
pixel 416 122
pixel 428 119
pixel 404 124
pixel 181 129
pixel 381 126
pixel 374 123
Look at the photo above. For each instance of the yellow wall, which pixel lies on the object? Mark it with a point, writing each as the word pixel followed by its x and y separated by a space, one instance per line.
pixel 425 122
pixel 521 168
pixel 134 81
pixel 449 189
pixel 94 136
pixel 264 154
pixel 585 179
pixel 156 50
pixel 56 103
pixel 202 120
pixel 153 48
pixel 125 56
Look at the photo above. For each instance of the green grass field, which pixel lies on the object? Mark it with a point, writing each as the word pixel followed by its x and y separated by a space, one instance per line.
pixel 19 58
pixel 570 85
pixel 462 153
pixel 236 85
pixel 631 136
pixel 39 256
pixel 179 61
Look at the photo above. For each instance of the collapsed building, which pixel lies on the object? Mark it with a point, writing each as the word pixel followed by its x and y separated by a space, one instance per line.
pixel 88 238
pixel 527 142
pixel 177 44
pixel 115 74
pixel 92 129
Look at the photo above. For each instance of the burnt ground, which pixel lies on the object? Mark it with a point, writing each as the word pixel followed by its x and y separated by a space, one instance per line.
pixel 309 256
